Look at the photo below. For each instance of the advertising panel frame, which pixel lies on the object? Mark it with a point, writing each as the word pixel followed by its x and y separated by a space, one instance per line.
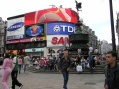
pixel 60 28
pixel 15 28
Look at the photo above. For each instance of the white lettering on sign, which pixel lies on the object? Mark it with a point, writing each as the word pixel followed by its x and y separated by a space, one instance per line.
pixel 70 28
pixel 64 28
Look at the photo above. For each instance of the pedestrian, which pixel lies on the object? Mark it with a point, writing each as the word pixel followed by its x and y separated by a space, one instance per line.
pixel 1 60
pixel 91 60
pixel 15 73
pixel 111 71
pixel 90 49
pixel 79 51
pixel 26 63
pixel 20 64
pixel 64 67
pixel 7 68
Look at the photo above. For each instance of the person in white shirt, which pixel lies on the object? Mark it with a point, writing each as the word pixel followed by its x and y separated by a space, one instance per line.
pixel 26 63
pixel 90 49
pixel 79 51
pixel 83 61
pixel 96 51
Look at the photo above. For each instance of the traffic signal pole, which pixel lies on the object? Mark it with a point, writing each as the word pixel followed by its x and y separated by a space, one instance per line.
pixel 112 26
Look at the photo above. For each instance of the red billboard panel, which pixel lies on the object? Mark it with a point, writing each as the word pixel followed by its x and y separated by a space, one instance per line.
pixel 26 40
pixel 51 15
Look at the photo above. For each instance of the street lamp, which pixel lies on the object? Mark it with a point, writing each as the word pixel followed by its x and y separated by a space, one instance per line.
pixel 112 26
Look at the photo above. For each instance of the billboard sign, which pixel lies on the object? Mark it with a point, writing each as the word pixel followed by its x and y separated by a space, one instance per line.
pixel 15 28
pixel 33 39
pixel 34 50
pixel 15 37
pixel 34 30
pixel 51 15
pixel 57 40
pixel 60 28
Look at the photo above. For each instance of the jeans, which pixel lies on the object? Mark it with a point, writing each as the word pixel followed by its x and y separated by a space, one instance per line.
pixel 91 67
pixel 20 65
pixel 66 77
pixel 83 65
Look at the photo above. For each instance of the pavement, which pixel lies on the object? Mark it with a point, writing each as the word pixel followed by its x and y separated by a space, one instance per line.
pixel 55 81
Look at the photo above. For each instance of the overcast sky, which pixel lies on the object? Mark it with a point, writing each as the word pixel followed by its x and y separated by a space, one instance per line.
pixel 95 13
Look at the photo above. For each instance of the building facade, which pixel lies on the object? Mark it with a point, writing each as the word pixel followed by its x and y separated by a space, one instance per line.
pixel 36 32
pixel 105 47
pixel 93 39
pixel 2 36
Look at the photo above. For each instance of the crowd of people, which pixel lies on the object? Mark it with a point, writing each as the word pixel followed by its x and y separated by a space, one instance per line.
pixel 11 65
pixel 51 63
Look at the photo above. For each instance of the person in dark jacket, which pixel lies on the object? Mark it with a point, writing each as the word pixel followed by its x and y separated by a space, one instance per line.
pixel 64 67
pixel 111 71
pixel 91 62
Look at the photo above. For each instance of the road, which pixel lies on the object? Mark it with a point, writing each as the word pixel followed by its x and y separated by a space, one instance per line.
pixel 55 81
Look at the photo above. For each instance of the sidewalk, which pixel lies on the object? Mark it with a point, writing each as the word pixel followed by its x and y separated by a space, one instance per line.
pixel 55 81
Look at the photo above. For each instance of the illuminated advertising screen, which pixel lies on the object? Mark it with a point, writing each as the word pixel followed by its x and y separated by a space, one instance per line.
pixel 15 28
pixel 60 28
pixel 34 30
pixel 33 39
pixel 34 50
pixel 57 40
pixel 50 15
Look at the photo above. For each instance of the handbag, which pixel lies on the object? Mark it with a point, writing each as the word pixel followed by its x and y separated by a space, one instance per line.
pixel 79 68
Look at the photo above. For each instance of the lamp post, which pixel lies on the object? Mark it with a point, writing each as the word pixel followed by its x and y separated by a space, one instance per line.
pixel 117 30
pixel 112 26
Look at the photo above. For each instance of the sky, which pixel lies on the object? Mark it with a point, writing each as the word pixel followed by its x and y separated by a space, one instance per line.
pixel 95 13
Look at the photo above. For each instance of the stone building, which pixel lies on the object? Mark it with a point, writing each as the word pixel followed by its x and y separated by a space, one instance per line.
pixel 2 36
pixel 92 36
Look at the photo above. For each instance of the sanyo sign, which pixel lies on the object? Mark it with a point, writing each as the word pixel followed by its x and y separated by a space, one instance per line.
pixel 61 28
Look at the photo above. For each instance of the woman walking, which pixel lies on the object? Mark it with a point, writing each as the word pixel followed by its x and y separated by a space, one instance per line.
pixel 7 67
pixel 19 64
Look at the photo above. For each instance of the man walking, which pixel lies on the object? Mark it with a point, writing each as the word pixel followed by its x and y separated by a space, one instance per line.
pixel 15 73
pixel 111 71
pixel 64 66
pixel 26 63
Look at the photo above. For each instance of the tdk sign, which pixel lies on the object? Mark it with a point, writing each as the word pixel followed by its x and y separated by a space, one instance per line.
pixel 60 28
pixel 64 28
pixel 15 26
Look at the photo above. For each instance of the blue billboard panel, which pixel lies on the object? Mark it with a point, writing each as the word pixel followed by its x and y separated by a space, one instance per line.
pixel 34 31
pixel 15 26
pixel 60 28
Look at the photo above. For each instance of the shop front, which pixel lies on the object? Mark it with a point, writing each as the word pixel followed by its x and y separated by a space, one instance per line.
pixel 35 52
